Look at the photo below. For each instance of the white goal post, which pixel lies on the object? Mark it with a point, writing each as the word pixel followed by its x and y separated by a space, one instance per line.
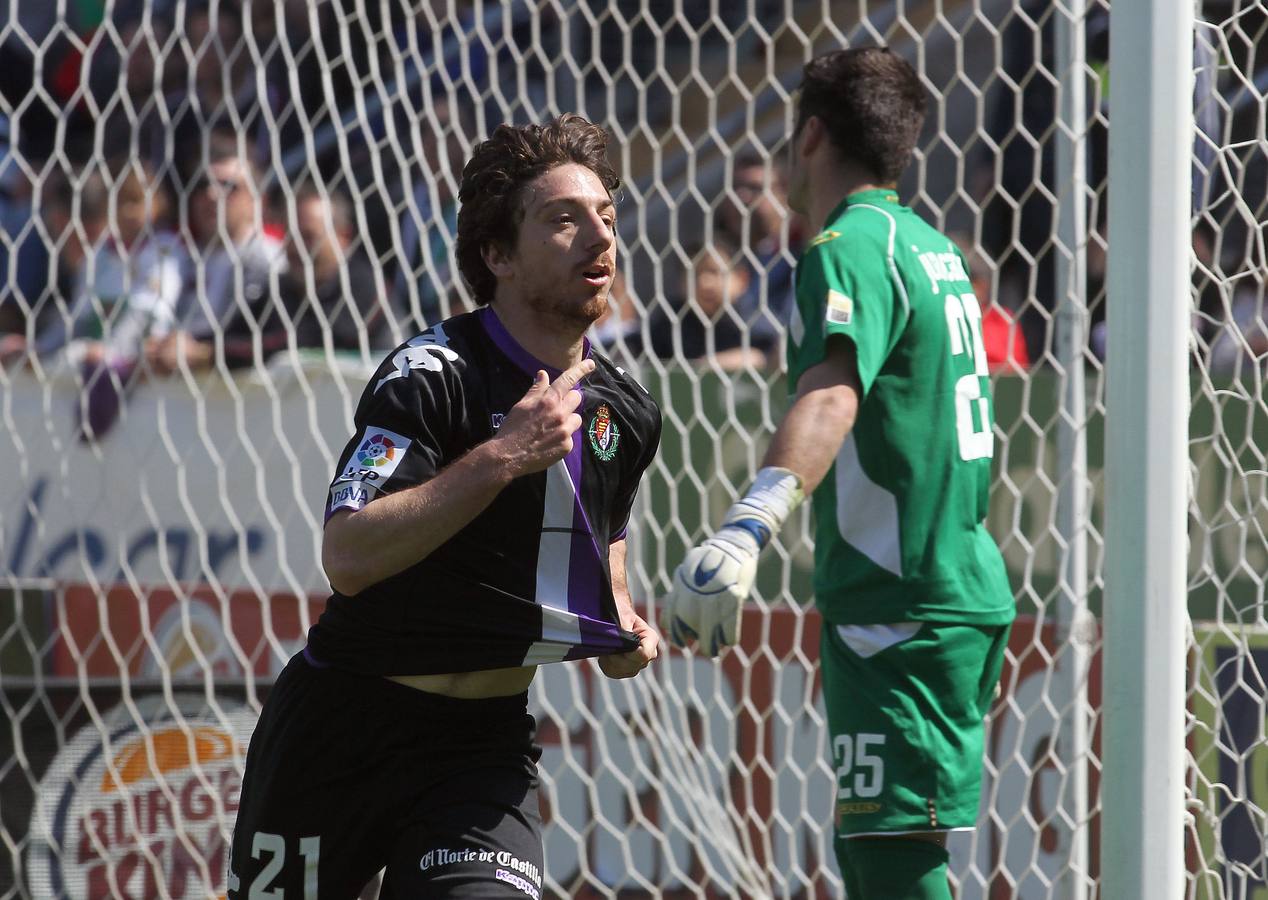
pixel 1147 495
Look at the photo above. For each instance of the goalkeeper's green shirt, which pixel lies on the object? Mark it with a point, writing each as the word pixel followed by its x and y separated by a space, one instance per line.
pixel 899 532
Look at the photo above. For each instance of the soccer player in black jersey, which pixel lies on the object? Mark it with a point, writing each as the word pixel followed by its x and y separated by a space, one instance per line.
pixel 475 528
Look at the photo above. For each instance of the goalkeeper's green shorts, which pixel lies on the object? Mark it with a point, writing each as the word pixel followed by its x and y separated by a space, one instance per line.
pixel 906 729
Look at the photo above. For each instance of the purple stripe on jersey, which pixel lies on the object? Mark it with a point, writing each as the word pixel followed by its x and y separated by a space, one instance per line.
pixel 596 635
pixel 584 570
pixel 314 661
pixel 523 360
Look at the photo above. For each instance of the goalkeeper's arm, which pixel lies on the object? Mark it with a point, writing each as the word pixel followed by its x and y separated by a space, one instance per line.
pixel 710 586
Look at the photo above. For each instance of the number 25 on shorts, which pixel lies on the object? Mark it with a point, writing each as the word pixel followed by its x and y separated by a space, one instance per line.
pixel 860 770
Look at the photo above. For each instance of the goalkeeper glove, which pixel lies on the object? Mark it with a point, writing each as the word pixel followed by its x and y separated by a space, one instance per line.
pixel 710 586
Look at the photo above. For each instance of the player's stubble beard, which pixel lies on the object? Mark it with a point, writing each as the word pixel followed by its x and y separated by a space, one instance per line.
pixel 571 314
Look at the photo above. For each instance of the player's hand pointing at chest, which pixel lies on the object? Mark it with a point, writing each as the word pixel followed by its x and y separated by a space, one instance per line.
pixel 538 430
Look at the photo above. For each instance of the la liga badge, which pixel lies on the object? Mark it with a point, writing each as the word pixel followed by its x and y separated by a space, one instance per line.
pixel 604 435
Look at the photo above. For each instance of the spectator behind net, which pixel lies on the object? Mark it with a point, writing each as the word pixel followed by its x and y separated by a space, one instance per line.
pixel 753 217
pixel 126 281
pixel 137 113
pixel 708 325
pixel 217 320
pixel 71 232
pixel 24 254
pixel 329 291
pixel 220 85
pixel 141 264
pixel 429 220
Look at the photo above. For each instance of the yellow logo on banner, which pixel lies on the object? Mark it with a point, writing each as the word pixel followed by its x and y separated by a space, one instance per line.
pixel 166 750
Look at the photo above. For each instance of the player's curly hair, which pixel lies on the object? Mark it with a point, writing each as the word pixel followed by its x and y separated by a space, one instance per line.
pixel 872 104
pixel 493 181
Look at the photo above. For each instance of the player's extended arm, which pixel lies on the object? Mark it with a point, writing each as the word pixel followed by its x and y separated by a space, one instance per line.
pixel 627 665
pixel 710 586
pixel 362 547
pixel 811 433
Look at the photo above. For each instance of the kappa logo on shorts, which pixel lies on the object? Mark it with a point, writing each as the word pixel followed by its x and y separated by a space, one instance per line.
pixel 604 435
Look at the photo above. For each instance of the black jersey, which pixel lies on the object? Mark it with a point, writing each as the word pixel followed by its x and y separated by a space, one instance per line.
pixel 525 582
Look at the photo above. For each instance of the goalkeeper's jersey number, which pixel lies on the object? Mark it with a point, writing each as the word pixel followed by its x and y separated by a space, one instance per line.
pixel 972 408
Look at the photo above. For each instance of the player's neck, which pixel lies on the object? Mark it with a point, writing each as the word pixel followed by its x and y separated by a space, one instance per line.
pixel 552 343
pixel 832 185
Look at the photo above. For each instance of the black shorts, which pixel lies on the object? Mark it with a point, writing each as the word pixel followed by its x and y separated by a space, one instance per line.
pixel 347 774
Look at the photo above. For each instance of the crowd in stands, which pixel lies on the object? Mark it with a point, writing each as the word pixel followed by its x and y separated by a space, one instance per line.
pixel 194 186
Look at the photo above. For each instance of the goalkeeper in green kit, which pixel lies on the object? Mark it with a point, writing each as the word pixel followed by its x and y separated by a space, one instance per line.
pixel 890 429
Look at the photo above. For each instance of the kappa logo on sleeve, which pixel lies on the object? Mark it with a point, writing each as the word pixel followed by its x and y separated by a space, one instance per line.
pixel 840 308
pixel 376 457
pixel 429 351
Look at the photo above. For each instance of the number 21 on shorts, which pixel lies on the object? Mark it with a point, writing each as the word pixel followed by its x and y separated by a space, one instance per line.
pixel 972 408
pixel 271 849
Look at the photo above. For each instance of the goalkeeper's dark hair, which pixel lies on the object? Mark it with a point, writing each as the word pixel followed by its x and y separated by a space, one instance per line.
pixel 872 104
pixel 491 196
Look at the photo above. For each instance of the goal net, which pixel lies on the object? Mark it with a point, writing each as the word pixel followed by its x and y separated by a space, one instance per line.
pixel 216 217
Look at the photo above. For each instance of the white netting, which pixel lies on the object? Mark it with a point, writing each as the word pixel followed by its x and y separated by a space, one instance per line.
pixel 1228 435
pixel 276 178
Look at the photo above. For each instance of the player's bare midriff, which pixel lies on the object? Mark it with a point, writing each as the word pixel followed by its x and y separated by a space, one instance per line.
pixel 472 685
